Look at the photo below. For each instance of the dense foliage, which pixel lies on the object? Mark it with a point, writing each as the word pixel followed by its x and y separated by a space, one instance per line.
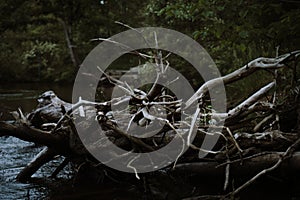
pixel 37 37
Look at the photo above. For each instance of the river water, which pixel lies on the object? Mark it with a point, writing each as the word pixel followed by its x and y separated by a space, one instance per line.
pixel 24 95
pixel 14 153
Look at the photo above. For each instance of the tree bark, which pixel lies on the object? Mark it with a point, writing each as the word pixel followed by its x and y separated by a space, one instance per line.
pixel 73 55
pixel 30 134
pixel 246 70
pixel 42 158
pixel 241 167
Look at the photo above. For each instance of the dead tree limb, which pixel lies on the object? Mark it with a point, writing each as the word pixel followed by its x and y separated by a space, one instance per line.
pixel 257 64
pixel 30 134
pixel 156 105
pixel 46 155
pixel 238 168
pixel 287 154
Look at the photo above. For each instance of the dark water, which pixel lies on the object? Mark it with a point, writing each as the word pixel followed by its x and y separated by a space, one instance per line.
pixel 24 95
pixel 14 153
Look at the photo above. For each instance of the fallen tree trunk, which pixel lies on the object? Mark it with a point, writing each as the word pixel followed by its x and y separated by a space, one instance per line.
pixel 42 158
pixel 245 167
pixel 239 139
pixel 30 134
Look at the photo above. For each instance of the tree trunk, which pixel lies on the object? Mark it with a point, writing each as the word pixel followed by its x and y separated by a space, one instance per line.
pixel 74 58
pixel 42 158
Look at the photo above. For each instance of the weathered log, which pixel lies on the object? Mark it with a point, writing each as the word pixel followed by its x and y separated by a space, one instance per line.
pixel 30 134
pixel 46 155
pixel 249 68
pixel 50 109
pixel 241 167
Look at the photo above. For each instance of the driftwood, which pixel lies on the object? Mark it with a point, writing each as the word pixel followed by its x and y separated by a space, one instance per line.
pixel 241 168
pixel 250 135
pixel 42 158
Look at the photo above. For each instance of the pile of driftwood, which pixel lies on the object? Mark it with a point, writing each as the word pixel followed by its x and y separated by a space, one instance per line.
pixel 256 135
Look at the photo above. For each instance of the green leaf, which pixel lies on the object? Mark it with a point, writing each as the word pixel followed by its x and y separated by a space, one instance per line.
pixel 243 47
pixel 244 34
pixel 196 35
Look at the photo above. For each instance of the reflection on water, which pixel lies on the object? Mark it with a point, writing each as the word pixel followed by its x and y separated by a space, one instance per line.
pixel 23 95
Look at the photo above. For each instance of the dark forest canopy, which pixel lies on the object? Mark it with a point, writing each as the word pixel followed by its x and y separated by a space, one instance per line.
pixel 47 40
